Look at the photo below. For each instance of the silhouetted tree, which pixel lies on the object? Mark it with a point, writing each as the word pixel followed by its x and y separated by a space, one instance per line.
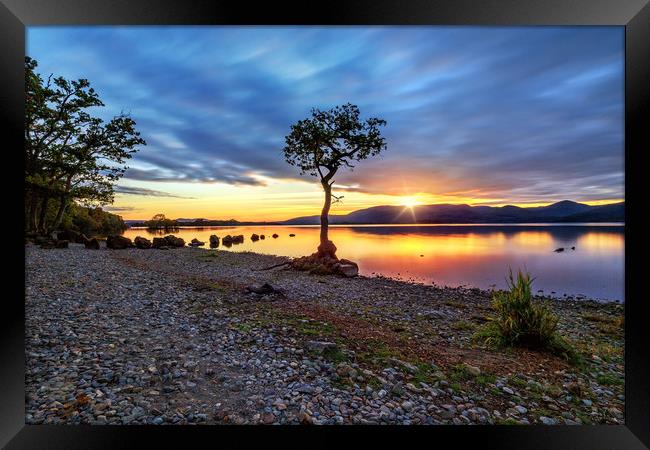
pixel 323 143
pixel 69 155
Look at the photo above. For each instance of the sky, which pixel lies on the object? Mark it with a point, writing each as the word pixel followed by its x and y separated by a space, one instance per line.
pixel 475 115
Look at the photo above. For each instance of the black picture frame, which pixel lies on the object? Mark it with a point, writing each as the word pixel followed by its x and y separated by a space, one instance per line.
pixel 634 15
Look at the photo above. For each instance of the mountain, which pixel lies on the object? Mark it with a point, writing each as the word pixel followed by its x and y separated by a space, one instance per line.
pixel 564 211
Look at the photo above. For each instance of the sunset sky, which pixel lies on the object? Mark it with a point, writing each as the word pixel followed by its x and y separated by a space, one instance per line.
pixel 477 115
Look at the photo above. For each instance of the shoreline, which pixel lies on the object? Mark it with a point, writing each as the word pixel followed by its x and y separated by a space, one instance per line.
pixel 317 349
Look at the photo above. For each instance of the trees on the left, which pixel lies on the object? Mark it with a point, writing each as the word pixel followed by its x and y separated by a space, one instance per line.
pixel 70 155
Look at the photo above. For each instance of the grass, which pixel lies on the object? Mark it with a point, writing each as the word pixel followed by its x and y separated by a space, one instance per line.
pixel 609 380
pixel 520 322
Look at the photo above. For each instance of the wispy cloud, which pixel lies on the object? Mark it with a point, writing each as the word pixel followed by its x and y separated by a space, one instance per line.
pixel 529 114
pixel 129 190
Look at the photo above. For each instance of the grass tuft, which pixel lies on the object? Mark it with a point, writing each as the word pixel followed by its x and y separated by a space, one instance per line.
pixel 520 322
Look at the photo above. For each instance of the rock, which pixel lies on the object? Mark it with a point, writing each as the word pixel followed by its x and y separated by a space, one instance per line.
pixel 521 410
pixel 558 250
pixel 48 244
pixel 196 243
pixel 70 236
pixel 320 346
pixel 117 242
pixel 142 243
pixel 407 406
pixel 587 402
pixel 507 390
pixel 268 418
pixel 347 269
pixel 408 366
pixel 574 388
pixel 547 420
pixel 173 241
pixel 275 236
pixel 262 236
pixel 305 418
pixel 92 244
pixel 291 235
pixel 472 370
pixel 264 289
pixel 255 237
pixel 61 244
pixel 214 241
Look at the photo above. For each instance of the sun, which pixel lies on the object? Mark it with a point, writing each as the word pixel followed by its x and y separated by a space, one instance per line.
pixel 409 202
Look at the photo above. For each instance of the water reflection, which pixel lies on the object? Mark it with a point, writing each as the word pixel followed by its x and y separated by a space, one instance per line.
pixel 457 254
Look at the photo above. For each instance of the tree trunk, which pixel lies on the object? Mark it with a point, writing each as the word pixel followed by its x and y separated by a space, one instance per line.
pixel 326 247
pixel 32 224
pixel 41 225
pixel 59 214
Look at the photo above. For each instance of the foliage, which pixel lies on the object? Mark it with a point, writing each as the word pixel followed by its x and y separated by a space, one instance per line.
pixel 71 157
pixel 520 322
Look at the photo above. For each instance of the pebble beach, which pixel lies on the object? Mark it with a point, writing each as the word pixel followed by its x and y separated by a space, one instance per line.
pixel 189 336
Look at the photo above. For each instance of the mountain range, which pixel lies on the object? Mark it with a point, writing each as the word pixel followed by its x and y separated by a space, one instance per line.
pixel 564 211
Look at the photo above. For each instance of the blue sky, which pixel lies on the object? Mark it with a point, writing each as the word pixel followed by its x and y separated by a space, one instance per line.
pixel 483 115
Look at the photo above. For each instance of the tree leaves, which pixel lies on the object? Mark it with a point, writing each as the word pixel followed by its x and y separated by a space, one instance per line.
pixel 337 137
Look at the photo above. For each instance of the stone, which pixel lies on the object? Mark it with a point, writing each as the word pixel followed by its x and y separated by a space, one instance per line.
pixel 61 244
pixel 92 244
pixel 291 235
pixel 547 420
pixel 264 289
pixel 196 243
pixel 117 242
pixel 214 241
pixel 472 370
pixel 255 237
pixel 275 236
pixel 142 243
pixel 507 390
pixel 320 346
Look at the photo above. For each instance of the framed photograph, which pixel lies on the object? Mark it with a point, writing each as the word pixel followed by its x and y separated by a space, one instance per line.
pixel 391 219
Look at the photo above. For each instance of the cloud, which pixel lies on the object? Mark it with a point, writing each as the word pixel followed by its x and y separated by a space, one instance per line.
pixel 525 113
pixel 120 208
pixel 129 190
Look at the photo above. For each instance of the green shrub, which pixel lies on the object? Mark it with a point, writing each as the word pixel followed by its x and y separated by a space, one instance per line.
pixel 520 322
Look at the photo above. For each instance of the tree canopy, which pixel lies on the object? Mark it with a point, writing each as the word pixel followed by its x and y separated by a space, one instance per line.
pixel 70 155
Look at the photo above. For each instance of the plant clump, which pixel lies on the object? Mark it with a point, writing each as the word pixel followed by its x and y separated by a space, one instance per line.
pixel 520 322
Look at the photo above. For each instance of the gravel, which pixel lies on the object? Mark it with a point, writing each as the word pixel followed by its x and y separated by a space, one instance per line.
pixel 175 337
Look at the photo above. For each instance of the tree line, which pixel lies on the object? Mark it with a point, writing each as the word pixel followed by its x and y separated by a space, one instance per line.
pixel 72 158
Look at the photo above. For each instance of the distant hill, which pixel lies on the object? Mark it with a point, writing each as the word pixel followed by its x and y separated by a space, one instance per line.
pixel 564 211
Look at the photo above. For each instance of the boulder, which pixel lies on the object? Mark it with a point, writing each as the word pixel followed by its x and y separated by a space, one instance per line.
pixel 214 241
pixel 61 244
pixel 158 242
pixel 275 236
pixel 262 236
pixel 173 241
pixel 92 244
pixel 117 242
pixel 142 243
pixel 48 244
pixel 291 235
pixel 347 268
pixel 254 237
pixel 70 236
pixel 227 240
pixel 238 239
pixel 196 243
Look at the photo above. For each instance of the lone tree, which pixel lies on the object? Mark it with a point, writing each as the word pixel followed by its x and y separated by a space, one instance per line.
pixel 323 143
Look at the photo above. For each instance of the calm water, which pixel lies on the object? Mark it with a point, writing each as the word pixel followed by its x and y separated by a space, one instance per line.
pixel 454 255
